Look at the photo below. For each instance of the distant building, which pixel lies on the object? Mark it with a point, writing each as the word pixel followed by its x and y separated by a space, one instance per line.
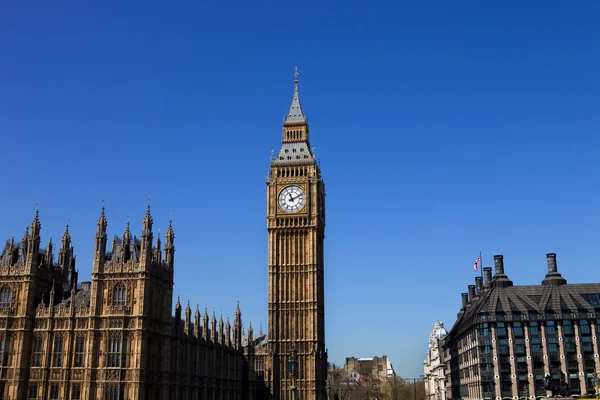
pixel 523 341
pixel 372 367
pixel 434 368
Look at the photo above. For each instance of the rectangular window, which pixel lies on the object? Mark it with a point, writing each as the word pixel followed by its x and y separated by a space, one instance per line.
pixel 568 328
pixel 54 392
pixel 117 351
pixel 37 352
pixel 76 392
pixel 58 352
pixel 4 349
pixel 550 328
pixel 79 348
pixel 584 327
pixel 533 328
pixel 112 392
pixel 33 392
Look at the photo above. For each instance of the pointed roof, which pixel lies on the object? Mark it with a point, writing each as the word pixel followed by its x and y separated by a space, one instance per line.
pixel 295 114
pixel 102 220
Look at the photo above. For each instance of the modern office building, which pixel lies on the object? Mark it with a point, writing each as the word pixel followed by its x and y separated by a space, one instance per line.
pixel 521 341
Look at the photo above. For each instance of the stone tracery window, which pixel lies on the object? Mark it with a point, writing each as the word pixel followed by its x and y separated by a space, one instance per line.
pixel 117 351
pixel 37 352
pixel 58 352
pixel 119 295
pixel 5 297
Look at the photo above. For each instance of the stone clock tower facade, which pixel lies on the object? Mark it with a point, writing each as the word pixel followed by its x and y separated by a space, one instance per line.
pixel 296 228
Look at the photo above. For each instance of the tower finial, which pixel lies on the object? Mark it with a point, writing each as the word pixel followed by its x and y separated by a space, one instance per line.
pixel 296 75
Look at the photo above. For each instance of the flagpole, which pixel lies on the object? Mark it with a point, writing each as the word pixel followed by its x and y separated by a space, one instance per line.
pixel 481 267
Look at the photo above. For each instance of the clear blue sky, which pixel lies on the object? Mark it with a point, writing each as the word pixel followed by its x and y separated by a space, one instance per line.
pixel 443 129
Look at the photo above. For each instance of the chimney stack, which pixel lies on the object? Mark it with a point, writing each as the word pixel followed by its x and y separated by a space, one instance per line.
pixel 553 277
pixel 471 292
pixel 465 299
pixel 551 259
pixel 478 285
pixel 500 279
pixel 487 276
pixel 499 264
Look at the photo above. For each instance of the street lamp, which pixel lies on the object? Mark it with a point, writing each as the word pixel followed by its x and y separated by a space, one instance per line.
pixel 293 368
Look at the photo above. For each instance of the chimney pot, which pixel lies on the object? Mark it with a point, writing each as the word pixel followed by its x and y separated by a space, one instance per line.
pixel 551 259
pixel 478 284
pixel 499 264
pixel 487 276
pixel 465 299
pixel 471 292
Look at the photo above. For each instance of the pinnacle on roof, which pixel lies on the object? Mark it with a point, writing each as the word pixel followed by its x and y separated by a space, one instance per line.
pixel 295 114
pixel 148 217
pixel 66 239
pixel 102 220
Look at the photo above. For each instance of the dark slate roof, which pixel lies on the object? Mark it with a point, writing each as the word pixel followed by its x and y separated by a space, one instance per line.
pixel 82 298
pixel 294 153
pixel 525 300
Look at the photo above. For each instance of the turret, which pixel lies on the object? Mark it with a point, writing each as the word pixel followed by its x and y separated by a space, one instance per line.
pixel 49 254
pixel 205 332
pixel 221 331
pixel 169 246
pixel 126 244
pixel 33 248
pixel 65 254
pixel 100 245
pixel 23 249
pixel 250 334
pixel 213 328
pixel 146 243
pixel 197 332
pixel 188 319
pixel 237 328
pixel 177 316
pixel 228 333
pixel 157 250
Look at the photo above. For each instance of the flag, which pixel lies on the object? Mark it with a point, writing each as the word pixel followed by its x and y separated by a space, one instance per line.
pixel 477 261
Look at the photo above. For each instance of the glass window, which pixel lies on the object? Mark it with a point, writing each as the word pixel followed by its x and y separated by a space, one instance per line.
pixel 58 352
pixel 5 297
pixel 33 392
pixel 4 349
pixel 117 351
pixel 76 392
pixel 79 348
pixel 112 393
pixel 54 392
pixel 37 352
pixel 119 295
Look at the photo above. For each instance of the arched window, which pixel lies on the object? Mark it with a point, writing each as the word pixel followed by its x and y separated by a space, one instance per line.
pixel 5 297
pixel 119 295
pixel 111 393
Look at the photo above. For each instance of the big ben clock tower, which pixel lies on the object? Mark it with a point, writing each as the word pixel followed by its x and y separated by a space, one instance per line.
pixel 296 226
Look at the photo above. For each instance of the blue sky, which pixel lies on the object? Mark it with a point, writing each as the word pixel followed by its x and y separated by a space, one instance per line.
pixel 443 129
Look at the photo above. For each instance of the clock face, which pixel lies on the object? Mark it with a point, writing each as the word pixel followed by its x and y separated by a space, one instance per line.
pixel 292 199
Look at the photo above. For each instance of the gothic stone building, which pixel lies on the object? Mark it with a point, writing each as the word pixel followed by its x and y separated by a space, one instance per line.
pixel 296 228
pixel 115 338
pixel 112 338
pixel 519 341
